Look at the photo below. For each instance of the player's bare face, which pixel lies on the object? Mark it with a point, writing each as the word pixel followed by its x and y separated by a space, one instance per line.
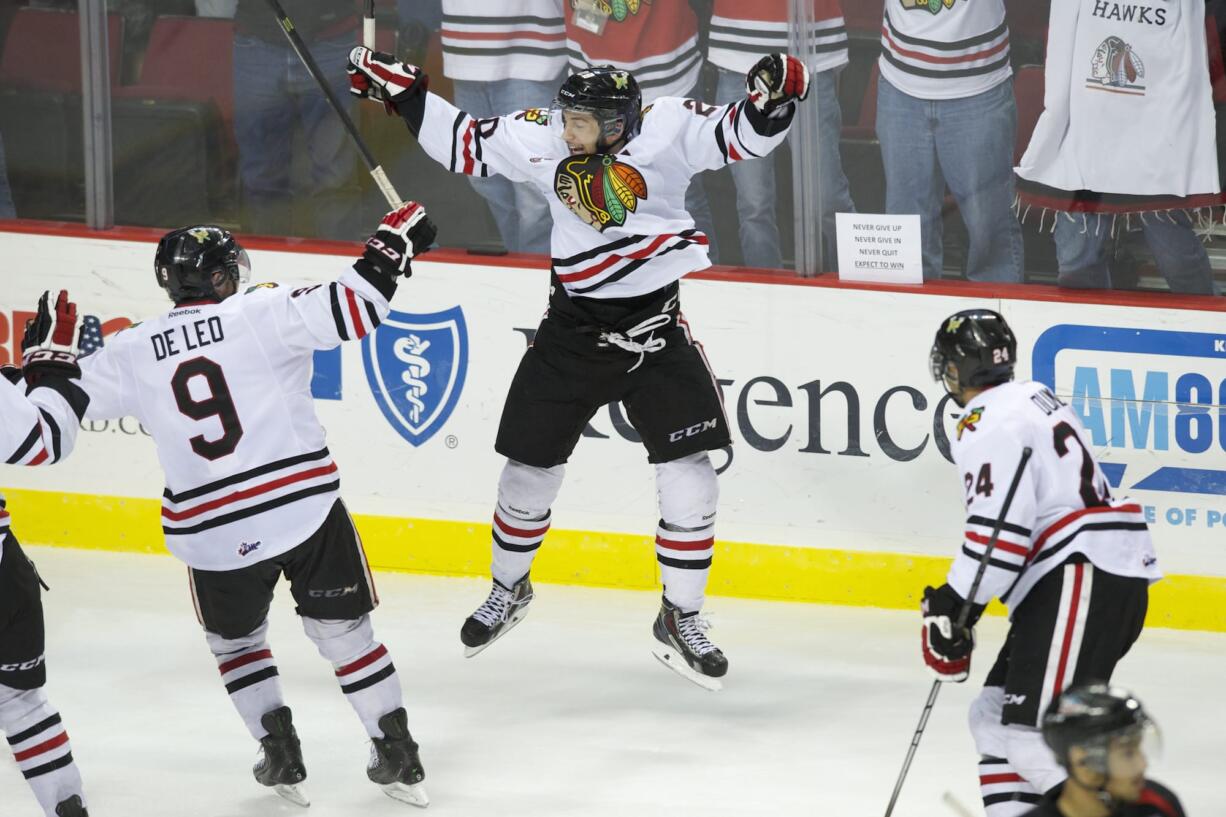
pixel 581 131
pixel 1126 765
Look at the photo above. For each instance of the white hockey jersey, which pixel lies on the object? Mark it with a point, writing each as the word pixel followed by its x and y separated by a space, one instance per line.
pixel 945 49
pixel 742 33
pixel 510 39
pixel 224 390
pixel 1128 106
pixel 39 428
pixel 620 227
pixel 1063 503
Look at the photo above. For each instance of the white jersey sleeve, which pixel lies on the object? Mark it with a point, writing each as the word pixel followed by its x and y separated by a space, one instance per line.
pixel 502 145
pixel 39 427
pixel 322 316
pixel 710 137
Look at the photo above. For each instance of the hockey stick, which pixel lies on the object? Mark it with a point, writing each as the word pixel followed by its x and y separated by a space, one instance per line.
pixel 963 616
pixel 368 25
pixel 376 172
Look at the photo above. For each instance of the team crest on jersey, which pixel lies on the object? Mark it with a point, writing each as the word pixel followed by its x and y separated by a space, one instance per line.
pixel 537 116
pixel 970 421
pixel 415 365
pixel 1116 68
pixel 265 285
pixel 599 189
pixel 931 6
pixel 619 10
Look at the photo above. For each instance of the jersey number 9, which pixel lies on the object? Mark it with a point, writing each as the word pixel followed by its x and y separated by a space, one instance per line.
pixel 217 404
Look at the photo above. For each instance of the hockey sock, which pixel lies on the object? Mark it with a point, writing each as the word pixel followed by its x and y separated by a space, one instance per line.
pixel 363 667
pixel 685 538
pixel 40 746
pixel 521 518
pixel 1005 792
pixel 250 675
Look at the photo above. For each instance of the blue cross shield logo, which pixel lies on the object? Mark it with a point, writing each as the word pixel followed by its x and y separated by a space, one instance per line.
pixel 416 365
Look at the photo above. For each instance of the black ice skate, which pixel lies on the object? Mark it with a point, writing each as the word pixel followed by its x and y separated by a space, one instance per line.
pixel 394 764
pixel 72 807
pixel 685 648
pixel 501 611
pixel 280 763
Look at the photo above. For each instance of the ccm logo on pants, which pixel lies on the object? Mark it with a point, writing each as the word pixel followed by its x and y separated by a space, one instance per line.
pixel 23 666
pixel 697 428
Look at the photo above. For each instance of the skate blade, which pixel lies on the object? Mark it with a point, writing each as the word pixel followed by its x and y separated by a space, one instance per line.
pixel 669 658
pixel 515 618
pixel 295 793
pixel 414 795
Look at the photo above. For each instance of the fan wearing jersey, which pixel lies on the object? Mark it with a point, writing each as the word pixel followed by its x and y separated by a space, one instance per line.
pixel 40 410
pixel 222 384
pixel 1072 562
pixel 616 177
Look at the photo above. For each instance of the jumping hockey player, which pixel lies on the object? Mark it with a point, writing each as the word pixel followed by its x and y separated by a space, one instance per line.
pixel 221 383
pixel 1073 563
pixel 615 176
pixel 1097 734
pixel 40 410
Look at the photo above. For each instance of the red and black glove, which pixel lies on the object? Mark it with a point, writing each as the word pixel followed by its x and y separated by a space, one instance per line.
pixel 403 234
pixel 379 76
pixel 946 652
pixel 775 81
pixel 49 344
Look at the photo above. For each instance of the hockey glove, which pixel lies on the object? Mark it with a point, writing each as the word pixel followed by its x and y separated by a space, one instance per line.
pixel 947 653
pixel 402 235
pixel 11 373
pixel 379 76
pixel 48 346
pixel 775 81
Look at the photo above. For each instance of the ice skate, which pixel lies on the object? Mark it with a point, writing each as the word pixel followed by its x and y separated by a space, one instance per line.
pixel 501 611
pixel 72 807
pixel 685 649
pixel 280 764
pixel 394 764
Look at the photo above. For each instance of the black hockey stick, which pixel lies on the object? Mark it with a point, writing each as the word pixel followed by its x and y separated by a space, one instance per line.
pixel 963 616
pixel 376 172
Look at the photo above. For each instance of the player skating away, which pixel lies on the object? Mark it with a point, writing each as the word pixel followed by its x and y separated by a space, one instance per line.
pixel 222 384
pixel 1097 734
pixel 615 177
pixel 1072 562
pixel 40 410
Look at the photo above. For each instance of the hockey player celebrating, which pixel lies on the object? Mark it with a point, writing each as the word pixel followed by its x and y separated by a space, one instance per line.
pixel 615 176
pixel 1097 734
pixel 221 384
pixel 40 410
pixel 1073 563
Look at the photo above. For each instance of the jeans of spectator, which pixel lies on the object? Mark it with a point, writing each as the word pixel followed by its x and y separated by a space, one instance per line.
pixel 1082 255
pixel 755 178
pixel 275 97
pixel 520 211
pixel 968 145
pixel 7 210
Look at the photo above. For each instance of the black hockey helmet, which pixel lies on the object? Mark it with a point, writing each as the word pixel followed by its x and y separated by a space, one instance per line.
pixel 610 94
pixel 1091 716
pixel 187 258
pixel 979 344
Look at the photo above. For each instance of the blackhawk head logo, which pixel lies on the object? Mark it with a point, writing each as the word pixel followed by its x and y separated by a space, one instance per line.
pixel 599 189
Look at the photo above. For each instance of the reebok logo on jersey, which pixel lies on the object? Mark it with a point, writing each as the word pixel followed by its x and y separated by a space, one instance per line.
pixel 248 547
pixel 969 420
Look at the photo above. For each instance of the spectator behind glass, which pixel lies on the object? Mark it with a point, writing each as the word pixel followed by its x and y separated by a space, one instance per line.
pixel 1139 131
pixel 278 104
pixel 658 42
pixel 741 32
pixel 505 57
pixel 946 116
pixel 7 210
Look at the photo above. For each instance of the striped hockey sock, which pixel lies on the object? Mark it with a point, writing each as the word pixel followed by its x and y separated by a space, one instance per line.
pixel 371 686
pixel 685 556
pixel 250 674
pixel 40 745
pixel 1005 792
pixel 516 541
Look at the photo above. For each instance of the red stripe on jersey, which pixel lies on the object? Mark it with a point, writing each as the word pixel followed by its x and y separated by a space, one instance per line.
pixel 1069 625
pixel 40 459
pixel 918 55
pixel 359 328
pixel 989 779
pixel 1001 544
pixel 649 250
pixel 1065 521
pixel 244 660
pixel 4 514
pixel 469 162
pixel 526 533
pixel 1151 798
pixel 176 516
pixel 504 35
pixel 45 746
pixel 673 544
pixel 365 661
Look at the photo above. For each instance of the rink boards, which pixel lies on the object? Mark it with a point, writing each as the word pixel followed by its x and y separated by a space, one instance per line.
pixel 838 488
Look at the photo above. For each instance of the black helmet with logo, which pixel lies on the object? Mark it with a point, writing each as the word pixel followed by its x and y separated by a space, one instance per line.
pixel 979 344
pixel 187 258
pixel 607 93
pixel 1089 717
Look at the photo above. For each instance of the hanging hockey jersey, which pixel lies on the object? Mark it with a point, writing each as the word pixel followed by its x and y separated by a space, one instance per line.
pixel 945 49
pixel 742 33
pixel 224 389
pixel 1063 504
pixel 1128 106
pixel 656 41
pixel 39 428
pixel 511 39
pixel 620 227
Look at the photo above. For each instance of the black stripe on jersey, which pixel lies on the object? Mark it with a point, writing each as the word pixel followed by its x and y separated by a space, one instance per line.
pixel 515 49
pixel 46 768
pixel 499 20
pixel 41 726
pixel 693 564
pixel 775 36
pixel 258 471
pixel 24 448
pixel 957 45
pixel 371 275
pixel 925 72
pixel 588 255
pixel 337 316
pixel 1011 797
pixel 1012 568
pixel 369 680
pixel 773 48
pixel 372 314
pixel 54 428
pixel 1048 552
pixel 456 127
pixel 254 510
pixel 251 679
pixel 720 141
pixel 502 543
pixel 1008 527
pixel 73 394
pixel 992 761
pixel 578 61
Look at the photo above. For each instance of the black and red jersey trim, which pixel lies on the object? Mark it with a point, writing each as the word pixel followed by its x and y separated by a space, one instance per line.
pixel 30 441
pixel 243 476
pixel 254 510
